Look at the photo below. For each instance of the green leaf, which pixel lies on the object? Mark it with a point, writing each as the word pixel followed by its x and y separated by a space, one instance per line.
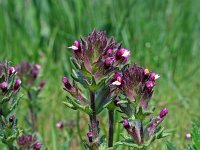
pixel 170 146
pixel 196 136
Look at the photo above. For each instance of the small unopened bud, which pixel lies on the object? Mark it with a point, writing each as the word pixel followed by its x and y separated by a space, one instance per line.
pixel 187 136
pixel 37 145
pixel 109 61
pixel 108 52
pixel 42 84
pixel 17 85
pixel 60 125
pixel 11 70
pixel 66 83
pixel 11 118
pixel 163 112
pixel 126 124
pixel 89 134
pixel 150 84
pixel 4 86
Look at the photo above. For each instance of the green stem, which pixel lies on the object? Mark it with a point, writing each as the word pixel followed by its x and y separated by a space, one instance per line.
pixel 78 126
pixel 93 121
pixel 111 127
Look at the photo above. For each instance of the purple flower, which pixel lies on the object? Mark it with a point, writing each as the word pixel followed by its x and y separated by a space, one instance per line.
pixel 187 136
pixel 11 70
pixel 66 83
pixel 89 135
pixel 17 85
pixel 11 118
pixel 60 125
pixel 146 71
pixel 163 112
pixel 37 145
pixel 150 84
pixel 76 46
pixel 4 86
pixel 35 71
pixel 122 54
pixel 42 84
pixel 154 76
pixel 117 79
pixel 126 124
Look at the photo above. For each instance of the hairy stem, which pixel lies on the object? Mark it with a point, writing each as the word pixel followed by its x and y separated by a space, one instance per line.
pixel 111 127
pixel 93 120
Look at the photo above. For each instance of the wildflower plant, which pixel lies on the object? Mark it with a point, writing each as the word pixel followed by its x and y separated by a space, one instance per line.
pixel 103 80
pixel 29 74
pixel 9 100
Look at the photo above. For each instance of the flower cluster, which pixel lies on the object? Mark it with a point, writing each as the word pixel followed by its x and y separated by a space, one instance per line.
pixel 29 74
pixel 100 68
pixel 136 85
pixel 9 87
pixel 27 141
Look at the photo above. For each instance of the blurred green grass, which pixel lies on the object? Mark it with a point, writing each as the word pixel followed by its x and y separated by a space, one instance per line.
pixel 163 36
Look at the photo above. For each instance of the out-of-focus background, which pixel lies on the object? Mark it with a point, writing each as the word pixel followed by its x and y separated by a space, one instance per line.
pixel 163 35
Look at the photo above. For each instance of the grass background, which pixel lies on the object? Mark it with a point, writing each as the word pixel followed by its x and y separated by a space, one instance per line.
pixel 163 35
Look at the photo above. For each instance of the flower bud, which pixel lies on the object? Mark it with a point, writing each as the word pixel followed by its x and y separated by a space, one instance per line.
pixel 37 145
pixel 89 135
pixel 35 71
pixel 17 84
pixel 66 83
pixel 126 124
pixel 150 84
pixel 108 52
pixel 60 125
pixel 109 61
pixel 11 70
pixel 42 84
pixel 4 86
pixel 163 113
pixel 11 118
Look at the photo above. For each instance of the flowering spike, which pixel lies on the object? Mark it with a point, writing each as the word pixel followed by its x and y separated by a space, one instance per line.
pixel 163 112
